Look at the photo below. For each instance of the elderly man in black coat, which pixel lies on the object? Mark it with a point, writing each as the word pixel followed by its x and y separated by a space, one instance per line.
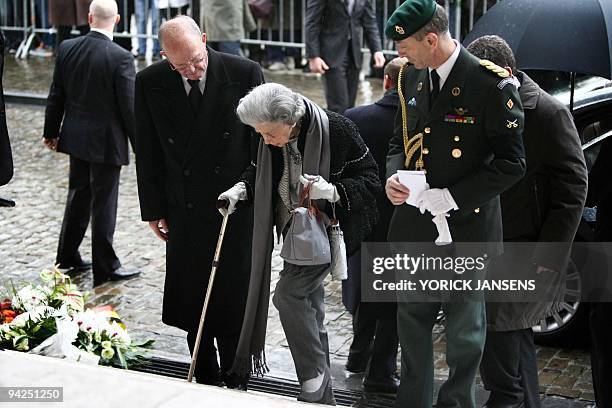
pixel 375 340
pixel 6 156
pixel 190 148
pixel 545 206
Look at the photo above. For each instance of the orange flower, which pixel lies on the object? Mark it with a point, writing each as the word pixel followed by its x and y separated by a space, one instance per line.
pixel 5 305
pixel 7 316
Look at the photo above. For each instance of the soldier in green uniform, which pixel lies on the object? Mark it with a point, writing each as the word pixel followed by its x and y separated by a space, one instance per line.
pixel 461 121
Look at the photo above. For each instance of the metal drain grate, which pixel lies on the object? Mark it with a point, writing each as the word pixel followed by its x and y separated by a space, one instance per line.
pixel 270 385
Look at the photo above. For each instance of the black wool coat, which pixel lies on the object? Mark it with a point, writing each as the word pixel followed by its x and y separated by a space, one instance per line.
pixel 6 156
pixel 183 163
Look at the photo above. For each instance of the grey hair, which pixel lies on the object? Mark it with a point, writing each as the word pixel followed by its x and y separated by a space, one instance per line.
pixel 176 28
pixel 494 49
pixel 271 103
pixel 437 25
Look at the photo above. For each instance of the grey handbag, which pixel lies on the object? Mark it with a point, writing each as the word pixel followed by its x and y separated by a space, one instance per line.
pixel 306 241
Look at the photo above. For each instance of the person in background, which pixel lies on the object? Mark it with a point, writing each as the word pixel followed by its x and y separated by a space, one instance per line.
pixel 64 14
pixel 144 9
pixel 226 22
pixel 90 117
pixel 6 155
pixel 375 341
pixel 333 46
pixel 544 206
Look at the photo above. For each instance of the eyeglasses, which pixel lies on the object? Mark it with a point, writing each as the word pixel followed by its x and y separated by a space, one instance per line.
pixel 191 63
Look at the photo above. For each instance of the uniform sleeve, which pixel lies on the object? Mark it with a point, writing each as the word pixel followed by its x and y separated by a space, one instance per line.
pixel 504 129
pixel 150 166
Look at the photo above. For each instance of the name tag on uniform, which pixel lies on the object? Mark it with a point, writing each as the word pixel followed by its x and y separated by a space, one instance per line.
pixel 469 120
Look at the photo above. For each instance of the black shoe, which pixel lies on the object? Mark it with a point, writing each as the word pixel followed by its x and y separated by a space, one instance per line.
pixel 356 366
pixel 388 385
pixel 75 267
pixel 118 274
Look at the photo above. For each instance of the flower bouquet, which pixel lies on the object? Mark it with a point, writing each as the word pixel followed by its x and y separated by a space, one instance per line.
pixel 50 319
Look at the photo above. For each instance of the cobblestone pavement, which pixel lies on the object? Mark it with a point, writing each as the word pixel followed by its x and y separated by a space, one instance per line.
pixel 29 233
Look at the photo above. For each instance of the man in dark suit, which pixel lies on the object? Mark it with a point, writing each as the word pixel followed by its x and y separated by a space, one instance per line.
pixel 333 46
pixel 6 156
pixel 375 341
pixel 91 100
pixel 545 206
pixel 190 148
pixel 461 122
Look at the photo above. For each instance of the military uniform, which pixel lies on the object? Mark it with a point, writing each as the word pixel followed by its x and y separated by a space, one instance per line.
pixel 469 141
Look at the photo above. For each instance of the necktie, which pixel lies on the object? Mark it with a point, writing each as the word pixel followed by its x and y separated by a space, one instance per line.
pixel 194 95
pixel 435 85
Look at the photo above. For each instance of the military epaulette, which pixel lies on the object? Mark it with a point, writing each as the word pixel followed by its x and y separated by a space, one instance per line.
pixel 510 80
pixel 501 72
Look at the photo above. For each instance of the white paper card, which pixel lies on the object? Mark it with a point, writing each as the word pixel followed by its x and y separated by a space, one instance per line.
pixel 416 182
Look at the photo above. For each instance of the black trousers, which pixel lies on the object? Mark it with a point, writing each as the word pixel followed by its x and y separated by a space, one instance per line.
pixel 600 320
pixel 509 369
pixel 375 339
pixel 341 85
pixel 93 190
pixel 207 369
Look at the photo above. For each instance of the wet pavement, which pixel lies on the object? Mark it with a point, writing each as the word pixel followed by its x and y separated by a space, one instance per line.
pixel 29 233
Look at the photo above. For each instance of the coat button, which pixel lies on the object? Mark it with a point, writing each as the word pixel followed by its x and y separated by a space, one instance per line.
pixel 456 153
pixel 477 210
pixel 225 135
pixel 425 150
pixel 428 130
pixel 217 170
pixel 170 140
pixel 187 172
pixel 456 138
pixel 190 205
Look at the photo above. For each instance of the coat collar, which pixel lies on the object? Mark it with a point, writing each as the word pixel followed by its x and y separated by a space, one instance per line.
pixel 390 98
pixel 97 34
pixel 529 91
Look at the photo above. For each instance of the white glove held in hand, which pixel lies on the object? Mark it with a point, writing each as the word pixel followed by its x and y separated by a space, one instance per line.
pixel 233 195
pixel 320 189
pixel 437 201
pixel 444 235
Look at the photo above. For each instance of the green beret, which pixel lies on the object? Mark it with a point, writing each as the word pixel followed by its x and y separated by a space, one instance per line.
pixel 408 18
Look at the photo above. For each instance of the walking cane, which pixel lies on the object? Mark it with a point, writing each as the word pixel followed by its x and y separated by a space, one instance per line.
pixel 211 280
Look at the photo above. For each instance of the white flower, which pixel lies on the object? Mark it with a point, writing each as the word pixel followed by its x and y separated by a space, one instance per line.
pixel 106 344
pixel 107 353
pixel 21 343
pixel 89 321
pixel 31 296
pixel 35 315
pixel 119 335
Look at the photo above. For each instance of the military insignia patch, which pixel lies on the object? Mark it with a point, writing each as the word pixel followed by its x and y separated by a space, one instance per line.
pixel 510 80
pixel 412 102
pixel 510 104
pixel 461 111
pixel 399 30
pixel 456 91
pixel 468 120
pixel 419 86
pixel 510 124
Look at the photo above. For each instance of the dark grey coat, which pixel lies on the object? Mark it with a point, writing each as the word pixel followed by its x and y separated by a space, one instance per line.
pixel 546 204
pixel 183 163
pixel 69 12
pixel 329 25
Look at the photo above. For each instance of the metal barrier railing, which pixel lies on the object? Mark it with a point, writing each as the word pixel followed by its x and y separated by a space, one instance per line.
pixel 285 28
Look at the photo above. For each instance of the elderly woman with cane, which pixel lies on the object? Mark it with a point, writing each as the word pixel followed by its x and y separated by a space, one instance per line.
pixel 303 147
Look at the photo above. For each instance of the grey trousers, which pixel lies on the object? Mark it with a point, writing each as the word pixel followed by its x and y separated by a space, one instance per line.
pixel 299 298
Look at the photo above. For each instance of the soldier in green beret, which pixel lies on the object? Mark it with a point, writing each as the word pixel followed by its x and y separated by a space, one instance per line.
pixel 460 120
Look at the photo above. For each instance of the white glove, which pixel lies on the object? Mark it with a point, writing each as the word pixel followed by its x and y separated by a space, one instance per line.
pixel 444 235
pixel 233 195
pixel 320 189
pixel 437 201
